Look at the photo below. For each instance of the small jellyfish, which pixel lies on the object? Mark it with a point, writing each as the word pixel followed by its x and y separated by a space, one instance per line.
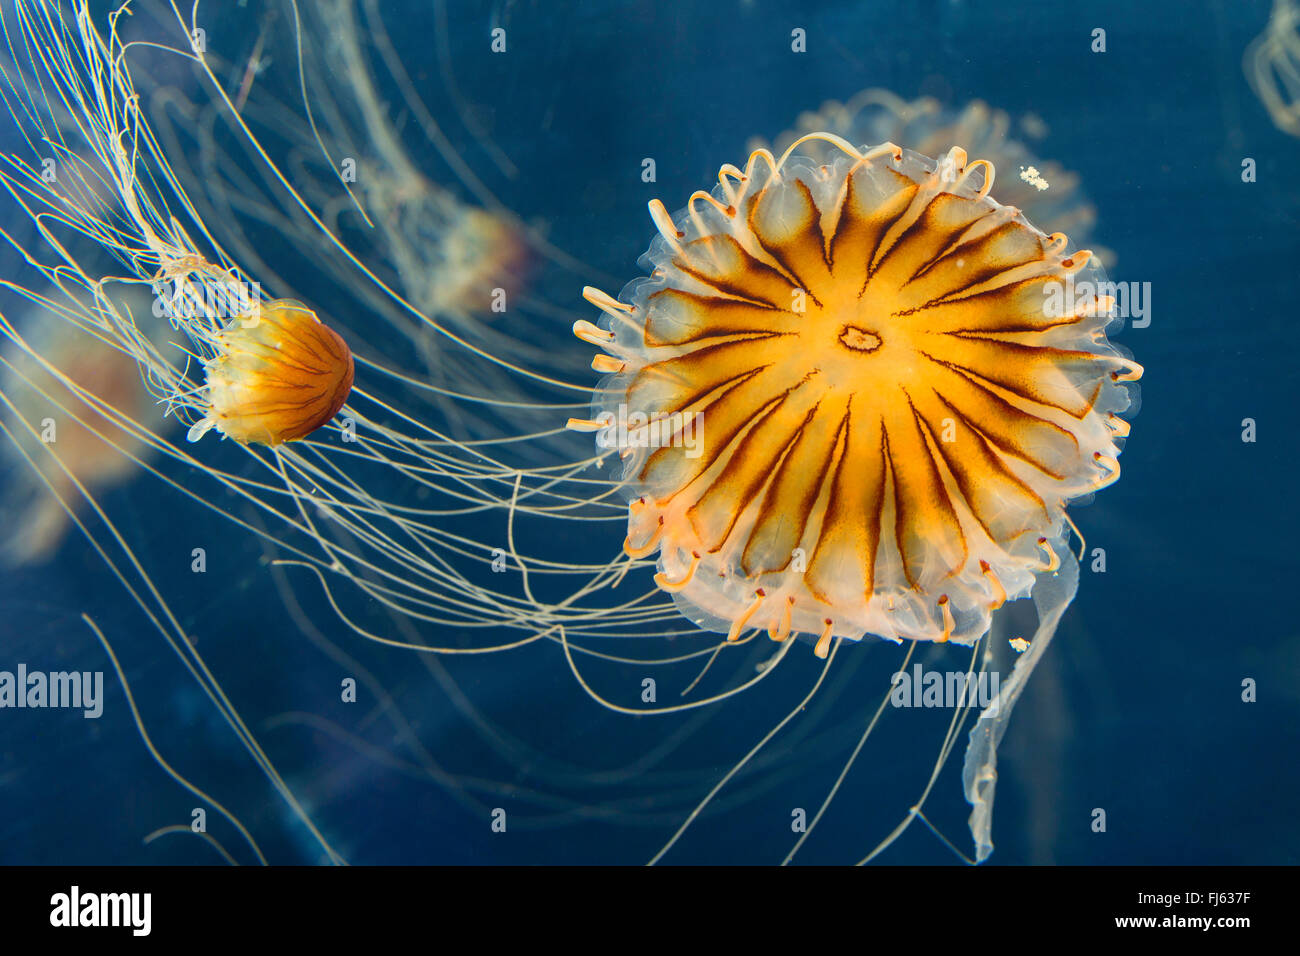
pixel 278 374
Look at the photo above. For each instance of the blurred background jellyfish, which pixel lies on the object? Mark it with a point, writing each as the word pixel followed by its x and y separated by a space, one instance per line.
pixel 1272 65
pixel 57 388
pixel 1049 195
pixel 859 405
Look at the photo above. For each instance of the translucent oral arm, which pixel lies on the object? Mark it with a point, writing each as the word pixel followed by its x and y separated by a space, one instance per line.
pixel 1052 594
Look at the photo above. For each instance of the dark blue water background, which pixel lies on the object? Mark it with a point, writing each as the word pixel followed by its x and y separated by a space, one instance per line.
pixel 1137 709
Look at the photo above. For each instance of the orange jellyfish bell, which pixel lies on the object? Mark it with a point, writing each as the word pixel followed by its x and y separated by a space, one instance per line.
pixel 855 397
pixel 278 375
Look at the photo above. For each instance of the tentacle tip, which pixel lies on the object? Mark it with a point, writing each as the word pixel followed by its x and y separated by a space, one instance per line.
pixel 199 429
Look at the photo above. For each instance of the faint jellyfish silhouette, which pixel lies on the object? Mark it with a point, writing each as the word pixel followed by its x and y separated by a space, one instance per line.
pixel 1272 65
pixel 1049 195
pixel 72 397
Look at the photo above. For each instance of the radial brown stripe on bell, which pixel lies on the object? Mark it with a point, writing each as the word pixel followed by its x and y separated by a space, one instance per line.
pixel 722 264
pixel 1004 505
pixel 866 213
pixel 1016 307
pixel 936 229
pixel 1046 376
pixel 1015 433
pixel 748 466
pixel 928 533
pixel 787 223
pixel 279 375
pixel 968 266
pixel 669 469
pixel 841 567
pixel 677 317
pixel 788 502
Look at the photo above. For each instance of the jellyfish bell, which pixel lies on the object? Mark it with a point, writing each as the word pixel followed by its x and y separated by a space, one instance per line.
pixel 893 403
pixel 881 390
pixel 277 375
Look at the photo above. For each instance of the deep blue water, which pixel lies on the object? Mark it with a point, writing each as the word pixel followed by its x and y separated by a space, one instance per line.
pixel 1138 708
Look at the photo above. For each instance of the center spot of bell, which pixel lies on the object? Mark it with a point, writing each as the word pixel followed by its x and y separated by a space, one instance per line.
pixel 860 340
